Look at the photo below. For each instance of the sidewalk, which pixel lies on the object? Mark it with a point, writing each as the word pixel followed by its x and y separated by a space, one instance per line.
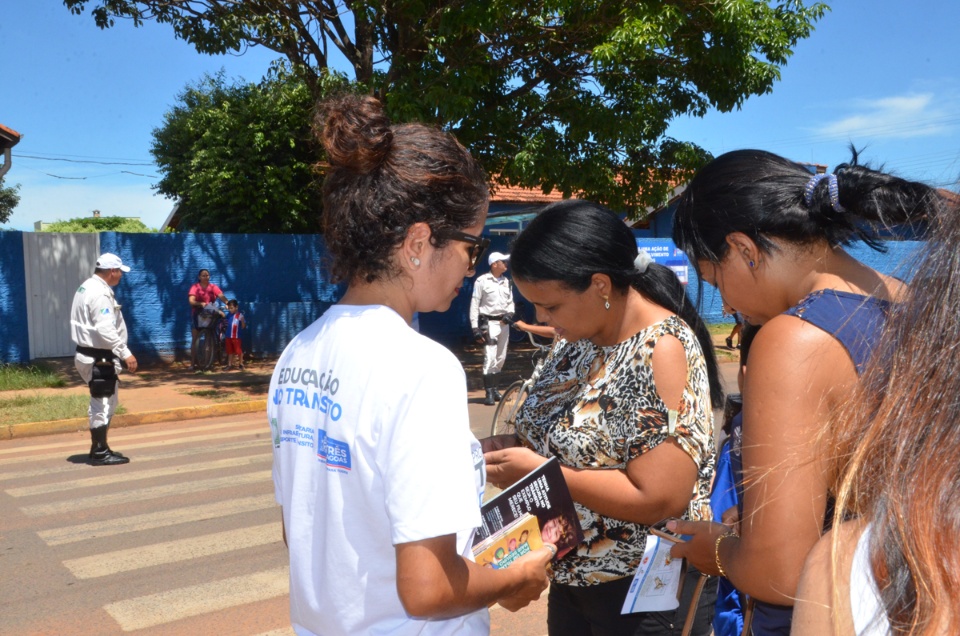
pixel 158 392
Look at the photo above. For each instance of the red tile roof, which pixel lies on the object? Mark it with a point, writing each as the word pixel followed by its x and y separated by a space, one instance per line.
pixel 516 194
pixel 8 137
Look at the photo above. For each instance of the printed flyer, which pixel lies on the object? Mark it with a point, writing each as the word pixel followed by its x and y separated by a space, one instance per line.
pixel 656 585
pixel 543 493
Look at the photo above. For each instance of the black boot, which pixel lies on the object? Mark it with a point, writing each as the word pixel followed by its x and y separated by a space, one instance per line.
pixel 110 450
pixel 100 453
pixel 490 400
pixel 494 381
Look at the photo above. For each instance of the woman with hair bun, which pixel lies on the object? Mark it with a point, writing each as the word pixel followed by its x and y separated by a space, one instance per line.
pixel 375 467
pixel 624 403
pixel 770 237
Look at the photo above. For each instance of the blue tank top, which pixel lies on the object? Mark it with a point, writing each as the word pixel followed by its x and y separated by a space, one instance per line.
pixel 856 322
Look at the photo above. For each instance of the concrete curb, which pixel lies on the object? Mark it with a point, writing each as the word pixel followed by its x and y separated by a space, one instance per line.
pixel 35 429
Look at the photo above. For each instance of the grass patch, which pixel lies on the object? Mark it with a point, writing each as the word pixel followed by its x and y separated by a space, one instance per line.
pixel 35 376
pixel 219 395
pixel 206 393
pixel 720 329
pixel 44 408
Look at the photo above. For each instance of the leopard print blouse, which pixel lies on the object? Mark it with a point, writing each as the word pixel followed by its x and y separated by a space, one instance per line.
pixel 597 407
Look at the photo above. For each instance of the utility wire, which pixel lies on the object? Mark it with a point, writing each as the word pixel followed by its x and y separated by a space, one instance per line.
pixel 102 163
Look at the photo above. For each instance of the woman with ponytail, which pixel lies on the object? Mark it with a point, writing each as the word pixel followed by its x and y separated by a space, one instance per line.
pixel 625 404
pixel 770 237
pixel 374 464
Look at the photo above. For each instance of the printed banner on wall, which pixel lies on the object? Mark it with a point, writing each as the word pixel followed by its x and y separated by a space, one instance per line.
pixel 665 252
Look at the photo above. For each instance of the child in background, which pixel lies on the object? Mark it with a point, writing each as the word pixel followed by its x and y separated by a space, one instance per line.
pixel 235 323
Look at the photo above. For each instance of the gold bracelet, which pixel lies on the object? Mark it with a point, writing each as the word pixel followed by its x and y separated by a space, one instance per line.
pixel 716 554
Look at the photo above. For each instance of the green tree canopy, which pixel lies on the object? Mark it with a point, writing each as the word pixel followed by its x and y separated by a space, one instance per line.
pixel 9 199
pixel 574 95
pixel 98 224
pixel 239 158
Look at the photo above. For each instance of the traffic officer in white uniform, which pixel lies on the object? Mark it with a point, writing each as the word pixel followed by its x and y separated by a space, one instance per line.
pixel 491 313
pixel 97 327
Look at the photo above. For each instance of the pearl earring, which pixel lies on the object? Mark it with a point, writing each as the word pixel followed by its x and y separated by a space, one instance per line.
pixel 415 261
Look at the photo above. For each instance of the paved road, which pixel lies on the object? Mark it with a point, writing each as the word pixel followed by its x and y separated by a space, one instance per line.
pixel 185 539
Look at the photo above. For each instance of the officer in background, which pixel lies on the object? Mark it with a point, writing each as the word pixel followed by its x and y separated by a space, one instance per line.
pixel 491 313
pixel 97 327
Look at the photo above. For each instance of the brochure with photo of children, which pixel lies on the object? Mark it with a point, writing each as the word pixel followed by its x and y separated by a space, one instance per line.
pixel 543 494
pixel 510 543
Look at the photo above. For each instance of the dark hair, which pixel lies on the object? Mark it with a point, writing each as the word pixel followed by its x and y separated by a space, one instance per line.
pixel 762 195
pixel 233 303
pixel 382 179
pixel 898 456
pixel 570 241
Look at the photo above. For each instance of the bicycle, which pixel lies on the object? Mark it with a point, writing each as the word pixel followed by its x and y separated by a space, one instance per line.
pixel 210 337
pixel 505 415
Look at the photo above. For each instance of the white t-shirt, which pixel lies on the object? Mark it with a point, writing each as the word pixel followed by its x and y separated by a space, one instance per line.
pixel 372 448
pixel 869 618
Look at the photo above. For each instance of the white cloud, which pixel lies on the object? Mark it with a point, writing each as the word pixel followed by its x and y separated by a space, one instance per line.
pixel 898 117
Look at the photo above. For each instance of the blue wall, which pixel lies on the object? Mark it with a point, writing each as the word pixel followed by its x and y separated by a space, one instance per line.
pixel 14 337
pixel 899 261
pixel 276 278
pixel 279 282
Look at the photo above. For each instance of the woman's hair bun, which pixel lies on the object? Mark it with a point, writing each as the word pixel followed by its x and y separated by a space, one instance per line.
pixel 355 132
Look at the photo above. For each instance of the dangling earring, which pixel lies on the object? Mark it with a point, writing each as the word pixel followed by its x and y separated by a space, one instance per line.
pixel 606 303
pixel 415 261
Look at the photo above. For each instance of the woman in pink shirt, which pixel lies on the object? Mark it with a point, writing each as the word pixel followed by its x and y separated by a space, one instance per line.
pixel 201 293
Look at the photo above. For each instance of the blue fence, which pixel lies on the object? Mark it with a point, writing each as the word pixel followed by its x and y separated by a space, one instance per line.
pixel 14 337
pixel 281 285
pixel 278 280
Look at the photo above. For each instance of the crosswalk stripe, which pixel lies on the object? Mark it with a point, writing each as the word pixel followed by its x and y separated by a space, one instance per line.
pixel 114 478
pixel 147 556
pixel 113 499
pixel 165 607
pixel 152 457
pixel 263 431
pixel 152 520
pixel 125 436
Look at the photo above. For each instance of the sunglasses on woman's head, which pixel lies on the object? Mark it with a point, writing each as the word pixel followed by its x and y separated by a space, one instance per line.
pixel 478 244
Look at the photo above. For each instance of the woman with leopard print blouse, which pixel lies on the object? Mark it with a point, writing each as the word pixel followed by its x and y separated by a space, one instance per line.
pixel 625 404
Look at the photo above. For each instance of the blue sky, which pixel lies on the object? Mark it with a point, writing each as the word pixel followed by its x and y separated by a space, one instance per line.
pixel 877 73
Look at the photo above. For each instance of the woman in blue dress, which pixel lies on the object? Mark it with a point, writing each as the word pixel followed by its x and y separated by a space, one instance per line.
pixel 770 236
